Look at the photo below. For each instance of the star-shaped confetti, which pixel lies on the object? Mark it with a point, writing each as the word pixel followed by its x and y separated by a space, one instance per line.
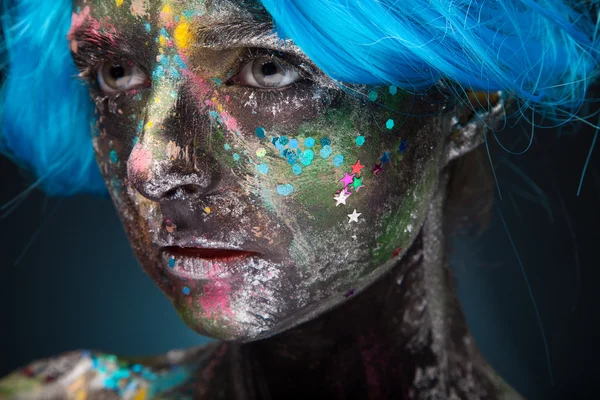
pixel 385 158
pixel 357 184
pixel 357 167
pixel 377 168
pixel 354 216
pixel 347 179
pixel 341 197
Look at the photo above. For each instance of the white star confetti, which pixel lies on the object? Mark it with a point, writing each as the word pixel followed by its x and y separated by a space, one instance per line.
pixel 354 216
pixel 341 198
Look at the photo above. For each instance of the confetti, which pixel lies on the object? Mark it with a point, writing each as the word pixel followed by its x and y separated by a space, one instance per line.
pixel 354 216
pixel 356 168
pixel 341 197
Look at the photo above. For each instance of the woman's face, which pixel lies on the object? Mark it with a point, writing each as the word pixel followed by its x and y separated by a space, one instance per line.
pixel 256 192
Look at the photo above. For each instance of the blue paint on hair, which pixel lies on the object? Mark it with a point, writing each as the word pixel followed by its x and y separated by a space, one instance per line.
pixel 49 137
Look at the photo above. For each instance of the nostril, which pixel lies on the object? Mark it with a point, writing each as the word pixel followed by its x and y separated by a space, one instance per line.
pixel 182 191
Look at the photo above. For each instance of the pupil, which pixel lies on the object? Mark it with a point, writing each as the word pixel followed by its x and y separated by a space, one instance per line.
pixel 269 69
pixel 117 72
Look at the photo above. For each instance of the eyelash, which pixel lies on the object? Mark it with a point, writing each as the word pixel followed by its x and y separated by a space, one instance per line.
pixel 89 62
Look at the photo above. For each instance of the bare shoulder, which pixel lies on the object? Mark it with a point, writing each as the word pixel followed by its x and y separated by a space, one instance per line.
pixel 91 375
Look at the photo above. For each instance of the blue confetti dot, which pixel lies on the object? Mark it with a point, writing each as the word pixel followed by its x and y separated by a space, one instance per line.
pixel 278 145
pixel 297 169
pixel 373 95
pixel 172 262
pixel 260 132
pixel 186 290
pixel 326 151
pixel 236 156
pixel 291 158
pixel 306 157
pixel 338 160
pixel 389 124
pixel 393 90
pixel 360 140
pixel 148 27
pixel 309 142
pixel 113 157
pixel 263 168
pixel 285 190
pixel 140 126
pixel 283 140
pixel 325 142
pixel 293 144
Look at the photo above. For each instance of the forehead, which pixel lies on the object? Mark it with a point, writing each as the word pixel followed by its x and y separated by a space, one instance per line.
pixel 150 9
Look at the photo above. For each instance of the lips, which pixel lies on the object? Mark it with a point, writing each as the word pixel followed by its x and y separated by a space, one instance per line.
pixel 205 263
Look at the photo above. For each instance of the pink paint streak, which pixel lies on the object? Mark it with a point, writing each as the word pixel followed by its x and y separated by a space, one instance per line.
pixel 77 21
pixel 215 298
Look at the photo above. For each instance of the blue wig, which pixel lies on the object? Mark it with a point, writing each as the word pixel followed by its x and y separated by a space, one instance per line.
pixel 543 52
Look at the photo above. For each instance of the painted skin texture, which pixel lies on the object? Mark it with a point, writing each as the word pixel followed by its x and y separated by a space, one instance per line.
pixel 341 267
pixel 196 157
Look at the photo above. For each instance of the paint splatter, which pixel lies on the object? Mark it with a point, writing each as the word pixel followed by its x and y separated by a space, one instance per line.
pixel 285 190
pixel 227 147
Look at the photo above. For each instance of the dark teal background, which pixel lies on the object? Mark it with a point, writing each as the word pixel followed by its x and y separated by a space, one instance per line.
pixel 69 279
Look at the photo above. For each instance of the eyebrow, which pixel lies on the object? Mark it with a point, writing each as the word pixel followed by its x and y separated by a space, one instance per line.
pixel 243 33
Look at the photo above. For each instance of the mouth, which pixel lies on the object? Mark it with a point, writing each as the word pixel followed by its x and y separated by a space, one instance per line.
pixel 205 263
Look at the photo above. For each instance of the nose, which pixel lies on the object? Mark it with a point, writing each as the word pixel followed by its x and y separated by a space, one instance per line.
pixel 169 161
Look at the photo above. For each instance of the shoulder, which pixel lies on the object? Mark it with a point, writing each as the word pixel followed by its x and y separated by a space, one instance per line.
pixel 83 375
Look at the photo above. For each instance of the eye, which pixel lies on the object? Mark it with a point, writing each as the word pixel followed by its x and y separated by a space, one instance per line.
pixel 114 78
pixel 267 72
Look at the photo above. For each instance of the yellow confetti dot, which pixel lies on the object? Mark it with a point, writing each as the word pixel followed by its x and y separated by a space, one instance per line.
pixel 183 36
pixel 261 152
pixel 149 125
pixel 162 40
pixel 207 210
pixel 166 13
pixel 119 3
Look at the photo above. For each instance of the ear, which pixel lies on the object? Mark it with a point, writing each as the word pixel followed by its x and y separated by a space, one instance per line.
pixel 480 112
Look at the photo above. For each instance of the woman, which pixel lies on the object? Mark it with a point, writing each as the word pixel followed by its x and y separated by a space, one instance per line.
pixel 285 188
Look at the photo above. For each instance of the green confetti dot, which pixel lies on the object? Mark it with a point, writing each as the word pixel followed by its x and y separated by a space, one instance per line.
pixel 373 95
pixel 393 90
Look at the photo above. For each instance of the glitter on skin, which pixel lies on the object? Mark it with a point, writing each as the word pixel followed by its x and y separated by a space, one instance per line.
pixel 260 152
pixel 263 168
pixel 338 160
pixel 285 190
pixel 326 151
pixel 260 132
